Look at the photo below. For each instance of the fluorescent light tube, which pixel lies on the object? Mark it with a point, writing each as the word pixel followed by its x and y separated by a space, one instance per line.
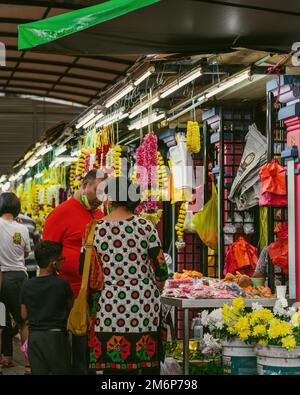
pixel 60 150
pixel 109 119
pixel 62 159
pixel 85 119
pixel 39 175
pixel 42 151
pixel 144 76
pixel 119 96
pixel 75 153
pixel 94 120
pixel 138 109
pixel 139 124
pixel 210 92
pixel 182 82
pixel 225 85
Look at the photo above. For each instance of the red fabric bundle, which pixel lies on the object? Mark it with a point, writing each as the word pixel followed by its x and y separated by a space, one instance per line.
pixel 273 191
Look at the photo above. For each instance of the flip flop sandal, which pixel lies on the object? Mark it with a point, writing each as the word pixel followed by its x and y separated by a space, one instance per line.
pixel 27 371
pixel 5 364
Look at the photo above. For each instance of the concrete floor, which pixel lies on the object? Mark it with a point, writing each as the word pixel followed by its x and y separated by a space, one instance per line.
pixel 19 363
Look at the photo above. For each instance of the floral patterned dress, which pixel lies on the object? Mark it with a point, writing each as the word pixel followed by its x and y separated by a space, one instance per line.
pixel 124 332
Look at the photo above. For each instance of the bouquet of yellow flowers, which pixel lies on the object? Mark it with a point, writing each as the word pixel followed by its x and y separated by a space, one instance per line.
pixel 262 326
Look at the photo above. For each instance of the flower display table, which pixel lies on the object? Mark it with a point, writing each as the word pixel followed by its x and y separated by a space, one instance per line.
pixel 187 304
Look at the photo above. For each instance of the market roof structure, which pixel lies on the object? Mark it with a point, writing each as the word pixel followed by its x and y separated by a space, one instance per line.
pixel 170 26
pixel 72 78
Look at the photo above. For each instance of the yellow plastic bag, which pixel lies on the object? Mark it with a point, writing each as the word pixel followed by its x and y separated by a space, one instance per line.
pixel 206 221
pixel 79 318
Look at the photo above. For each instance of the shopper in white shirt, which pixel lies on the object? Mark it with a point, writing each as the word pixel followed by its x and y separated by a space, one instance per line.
pixel 14 247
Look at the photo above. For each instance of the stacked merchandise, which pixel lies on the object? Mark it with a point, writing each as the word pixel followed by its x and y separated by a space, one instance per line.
pixel 192 285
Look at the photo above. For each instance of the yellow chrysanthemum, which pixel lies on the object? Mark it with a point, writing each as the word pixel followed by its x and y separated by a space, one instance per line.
pixel 262 316
pixel 242 325
pixel 263 342
pixel 279 329
pixel 231 330
pixel 226 314
pixel 289 342
pixel 238 304
pixel 259 330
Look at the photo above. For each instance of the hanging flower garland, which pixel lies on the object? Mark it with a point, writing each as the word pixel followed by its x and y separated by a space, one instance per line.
pixel 193 137
pixel 141 178
pixel 163 179
pixel 150 158
pixel 117 160
pixel 72 176
pixel 87 161
pixel 180 243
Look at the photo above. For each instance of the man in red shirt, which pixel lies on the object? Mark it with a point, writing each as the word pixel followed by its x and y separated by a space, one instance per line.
pixel 67 224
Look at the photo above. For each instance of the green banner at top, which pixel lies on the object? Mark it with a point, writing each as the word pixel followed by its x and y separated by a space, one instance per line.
pixel 46 30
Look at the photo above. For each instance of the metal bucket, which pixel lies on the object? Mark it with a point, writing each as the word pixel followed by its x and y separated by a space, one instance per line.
pixel 239 358
pixel 276 360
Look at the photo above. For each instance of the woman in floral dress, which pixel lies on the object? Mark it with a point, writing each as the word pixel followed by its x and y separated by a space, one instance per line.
pixel 124 335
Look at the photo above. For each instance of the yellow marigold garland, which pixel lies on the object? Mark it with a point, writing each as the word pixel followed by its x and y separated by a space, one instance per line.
pixel 193 137
pixel 117 160
pixel 179 226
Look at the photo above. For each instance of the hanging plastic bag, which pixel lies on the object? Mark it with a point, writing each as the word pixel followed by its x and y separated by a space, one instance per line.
pixel 273 190
pixel 273 178
pixel 170 367
pixel 248 226
pixel 278 251
pixel 206 221
pixel 188 226
pixel 241 256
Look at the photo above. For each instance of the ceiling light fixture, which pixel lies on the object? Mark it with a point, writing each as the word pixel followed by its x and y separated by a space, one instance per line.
pixel 60 150
pixel 85 119
pixel 93 121
pixel 144 76
pixel 141 123
pixel 138 109
pixel 212 91
pixel 119 95
pixel 44 150
pixel 182 82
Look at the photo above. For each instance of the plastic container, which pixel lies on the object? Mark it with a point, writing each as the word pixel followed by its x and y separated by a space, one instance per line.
pixel 197 328
pixel 275 360
pixel 239 358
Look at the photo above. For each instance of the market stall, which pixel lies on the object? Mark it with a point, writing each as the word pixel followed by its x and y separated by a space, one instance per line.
pixel 205 167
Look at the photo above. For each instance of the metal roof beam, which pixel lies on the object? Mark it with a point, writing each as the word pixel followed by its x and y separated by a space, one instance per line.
pixel 64 64
pixel 52 4
pixel 97 57
pixel 57 74
pixel 13 85
pixel 25 92
pixel 72 85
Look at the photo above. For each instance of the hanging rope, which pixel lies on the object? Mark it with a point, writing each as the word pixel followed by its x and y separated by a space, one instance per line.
pixel 277 68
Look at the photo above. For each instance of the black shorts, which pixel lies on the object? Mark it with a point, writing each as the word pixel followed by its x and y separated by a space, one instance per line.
pixel 12 284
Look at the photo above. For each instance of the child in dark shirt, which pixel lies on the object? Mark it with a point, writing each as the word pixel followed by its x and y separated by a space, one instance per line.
pixel 46 302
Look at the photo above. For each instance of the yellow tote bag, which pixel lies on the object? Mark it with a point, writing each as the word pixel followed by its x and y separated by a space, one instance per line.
pixel 206 221
pixel 79 318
